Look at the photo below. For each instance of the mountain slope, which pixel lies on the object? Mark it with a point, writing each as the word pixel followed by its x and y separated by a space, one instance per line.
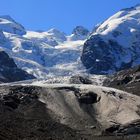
pixel 127 80
pixel 114 45
pixel 9 72
pixel 7 24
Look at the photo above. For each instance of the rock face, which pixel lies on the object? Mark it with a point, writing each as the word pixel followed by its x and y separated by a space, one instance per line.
pixel 2 38
pixel 9 72
pixel 57 35
pixel 7 24
pixel 79 33
pixel 114 45
pixel 98 58
pixel 80 80
pixel 80 30
pixel 127 80
pixel 127 129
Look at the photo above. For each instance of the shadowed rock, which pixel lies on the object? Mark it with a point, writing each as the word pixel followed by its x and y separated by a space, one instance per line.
pixel 9 72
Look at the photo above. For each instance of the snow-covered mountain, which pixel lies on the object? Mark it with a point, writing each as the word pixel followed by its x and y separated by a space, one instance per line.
pixel 114 44
pixel 79 33
pixel 43 53
pixel 7 24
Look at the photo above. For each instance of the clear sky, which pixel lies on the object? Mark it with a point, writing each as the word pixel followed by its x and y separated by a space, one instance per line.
pixel 62 14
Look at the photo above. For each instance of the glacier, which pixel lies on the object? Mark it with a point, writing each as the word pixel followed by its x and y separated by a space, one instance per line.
pixel 43 54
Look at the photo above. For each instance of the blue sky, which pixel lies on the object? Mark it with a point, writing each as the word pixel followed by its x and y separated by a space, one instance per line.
pixel 61 14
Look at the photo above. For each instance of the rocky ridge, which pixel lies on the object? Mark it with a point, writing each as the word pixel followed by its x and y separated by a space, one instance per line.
pixel 114 44
pixel 9 72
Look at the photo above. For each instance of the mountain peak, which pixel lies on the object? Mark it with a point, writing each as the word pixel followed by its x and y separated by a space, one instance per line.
pixel 79 33
pixel 8 24
pixel 7 17
pixel 109 48
pixel 55 31
pixel 57 35
pixel 80 30
pixel 131 8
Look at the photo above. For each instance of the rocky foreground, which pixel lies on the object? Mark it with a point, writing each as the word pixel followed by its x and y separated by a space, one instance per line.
pixel 67 112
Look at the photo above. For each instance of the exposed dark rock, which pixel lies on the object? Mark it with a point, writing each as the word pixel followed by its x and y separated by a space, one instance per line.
pixel 111 130
pixel 80 30
pixel 11 101
pixel 89 98
pixel 6 61
pixel 80 80
pixel 127 80
pixel 127 129
pixel 97 57
pixel 116 33
pixel 110 92
pixel 9 72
